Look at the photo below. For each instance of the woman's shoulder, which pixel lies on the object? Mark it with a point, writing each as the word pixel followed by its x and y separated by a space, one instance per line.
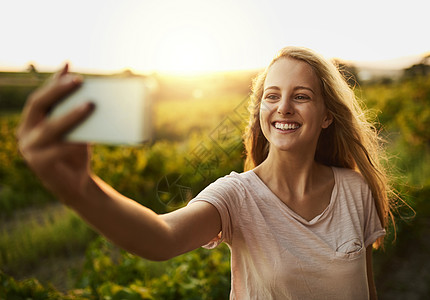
pixel 235 184
pixel 233 180
pixel 352 185
pixel 237 179
pixel 349 176
pixel 230 189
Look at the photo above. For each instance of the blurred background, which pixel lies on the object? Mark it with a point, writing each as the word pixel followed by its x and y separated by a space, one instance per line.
pixel 199 58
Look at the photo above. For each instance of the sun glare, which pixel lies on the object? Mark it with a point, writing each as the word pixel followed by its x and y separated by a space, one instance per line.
pixel 194 36
pixel 185 50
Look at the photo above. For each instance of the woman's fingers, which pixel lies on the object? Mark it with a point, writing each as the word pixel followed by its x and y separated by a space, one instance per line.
pixel 43 99
pixel 62 72
pixel 54 129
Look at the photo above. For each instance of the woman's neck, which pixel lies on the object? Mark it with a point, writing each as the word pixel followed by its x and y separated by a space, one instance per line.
pixel 296 174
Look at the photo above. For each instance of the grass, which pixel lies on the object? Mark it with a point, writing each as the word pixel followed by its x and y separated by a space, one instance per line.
pixel 174 120
pixel 42 235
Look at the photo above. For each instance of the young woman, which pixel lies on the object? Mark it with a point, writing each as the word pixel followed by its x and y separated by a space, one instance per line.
pixel 300 221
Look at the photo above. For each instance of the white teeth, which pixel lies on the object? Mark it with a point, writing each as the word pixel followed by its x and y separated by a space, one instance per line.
pixel 285 126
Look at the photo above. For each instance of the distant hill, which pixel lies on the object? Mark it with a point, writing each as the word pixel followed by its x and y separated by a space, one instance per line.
pixel 392 68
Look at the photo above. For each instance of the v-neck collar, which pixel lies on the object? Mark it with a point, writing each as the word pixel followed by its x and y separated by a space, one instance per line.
pixel 292 212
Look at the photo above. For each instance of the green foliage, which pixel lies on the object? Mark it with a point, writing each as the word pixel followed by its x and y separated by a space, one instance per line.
pixel 403 107
pixel 12 98
pixel 12 289
pixel 404 114
pixel 200 274
pixel 27 289
pixel 15 88
pixel 196 142
pixel 19 187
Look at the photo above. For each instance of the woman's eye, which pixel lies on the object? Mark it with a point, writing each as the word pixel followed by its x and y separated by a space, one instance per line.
pixel 271 97
pixel 302 97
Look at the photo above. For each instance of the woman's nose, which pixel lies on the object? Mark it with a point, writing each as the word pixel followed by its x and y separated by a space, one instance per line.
pixel 285 107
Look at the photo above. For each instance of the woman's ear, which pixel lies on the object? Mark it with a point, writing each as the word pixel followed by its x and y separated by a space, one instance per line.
pixel 328 119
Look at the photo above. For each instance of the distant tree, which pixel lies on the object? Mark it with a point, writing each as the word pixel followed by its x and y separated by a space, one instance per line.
pixel 417 70
pixel 128 73
pixel 386 80
pixel 421 69
pixel 32 69
pixel 426 59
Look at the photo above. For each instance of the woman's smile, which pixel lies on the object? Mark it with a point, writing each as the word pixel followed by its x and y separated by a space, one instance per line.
pixel 286 126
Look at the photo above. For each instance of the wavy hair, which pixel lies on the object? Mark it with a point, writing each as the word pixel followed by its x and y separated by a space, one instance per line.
pixel 351 141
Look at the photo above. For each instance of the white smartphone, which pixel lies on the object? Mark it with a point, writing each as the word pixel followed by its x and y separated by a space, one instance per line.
pixel 122 113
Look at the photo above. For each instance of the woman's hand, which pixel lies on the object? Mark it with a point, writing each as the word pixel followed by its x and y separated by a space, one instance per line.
pixel 63 167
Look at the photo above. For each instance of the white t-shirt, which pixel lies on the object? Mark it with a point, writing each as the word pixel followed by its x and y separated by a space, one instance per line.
pixel 276 254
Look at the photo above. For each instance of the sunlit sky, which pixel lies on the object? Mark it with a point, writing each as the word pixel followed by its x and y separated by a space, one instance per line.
pixel 200 35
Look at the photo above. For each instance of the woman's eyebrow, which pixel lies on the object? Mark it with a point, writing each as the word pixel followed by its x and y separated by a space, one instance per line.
pixel 299 87
pixel 273 87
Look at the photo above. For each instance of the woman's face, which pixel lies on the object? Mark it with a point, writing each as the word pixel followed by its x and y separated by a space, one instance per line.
pixel 292 111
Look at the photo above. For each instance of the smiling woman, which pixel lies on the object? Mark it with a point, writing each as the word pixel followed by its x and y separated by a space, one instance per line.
pixel 299 224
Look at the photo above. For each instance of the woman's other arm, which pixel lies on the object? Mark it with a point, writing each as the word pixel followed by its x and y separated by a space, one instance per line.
pixel 370 281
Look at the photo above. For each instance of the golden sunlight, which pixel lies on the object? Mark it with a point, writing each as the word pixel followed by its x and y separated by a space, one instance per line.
pixel 186 49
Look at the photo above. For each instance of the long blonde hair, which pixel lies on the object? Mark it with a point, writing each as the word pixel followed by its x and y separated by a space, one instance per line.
pixel 350 141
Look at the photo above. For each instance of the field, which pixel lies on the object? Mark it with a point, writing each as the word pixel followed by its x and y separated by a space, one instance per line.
pixel 47 252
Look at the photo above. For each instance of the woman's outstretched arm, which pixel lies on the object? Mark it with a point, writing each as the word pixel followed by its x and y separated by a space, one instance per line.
pixel 140 230
pixel 64 169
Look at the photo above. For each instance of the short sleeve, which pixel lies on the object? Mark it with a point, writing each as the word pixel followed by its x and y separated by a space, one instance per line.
pixel 372 226
pixel 224 194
